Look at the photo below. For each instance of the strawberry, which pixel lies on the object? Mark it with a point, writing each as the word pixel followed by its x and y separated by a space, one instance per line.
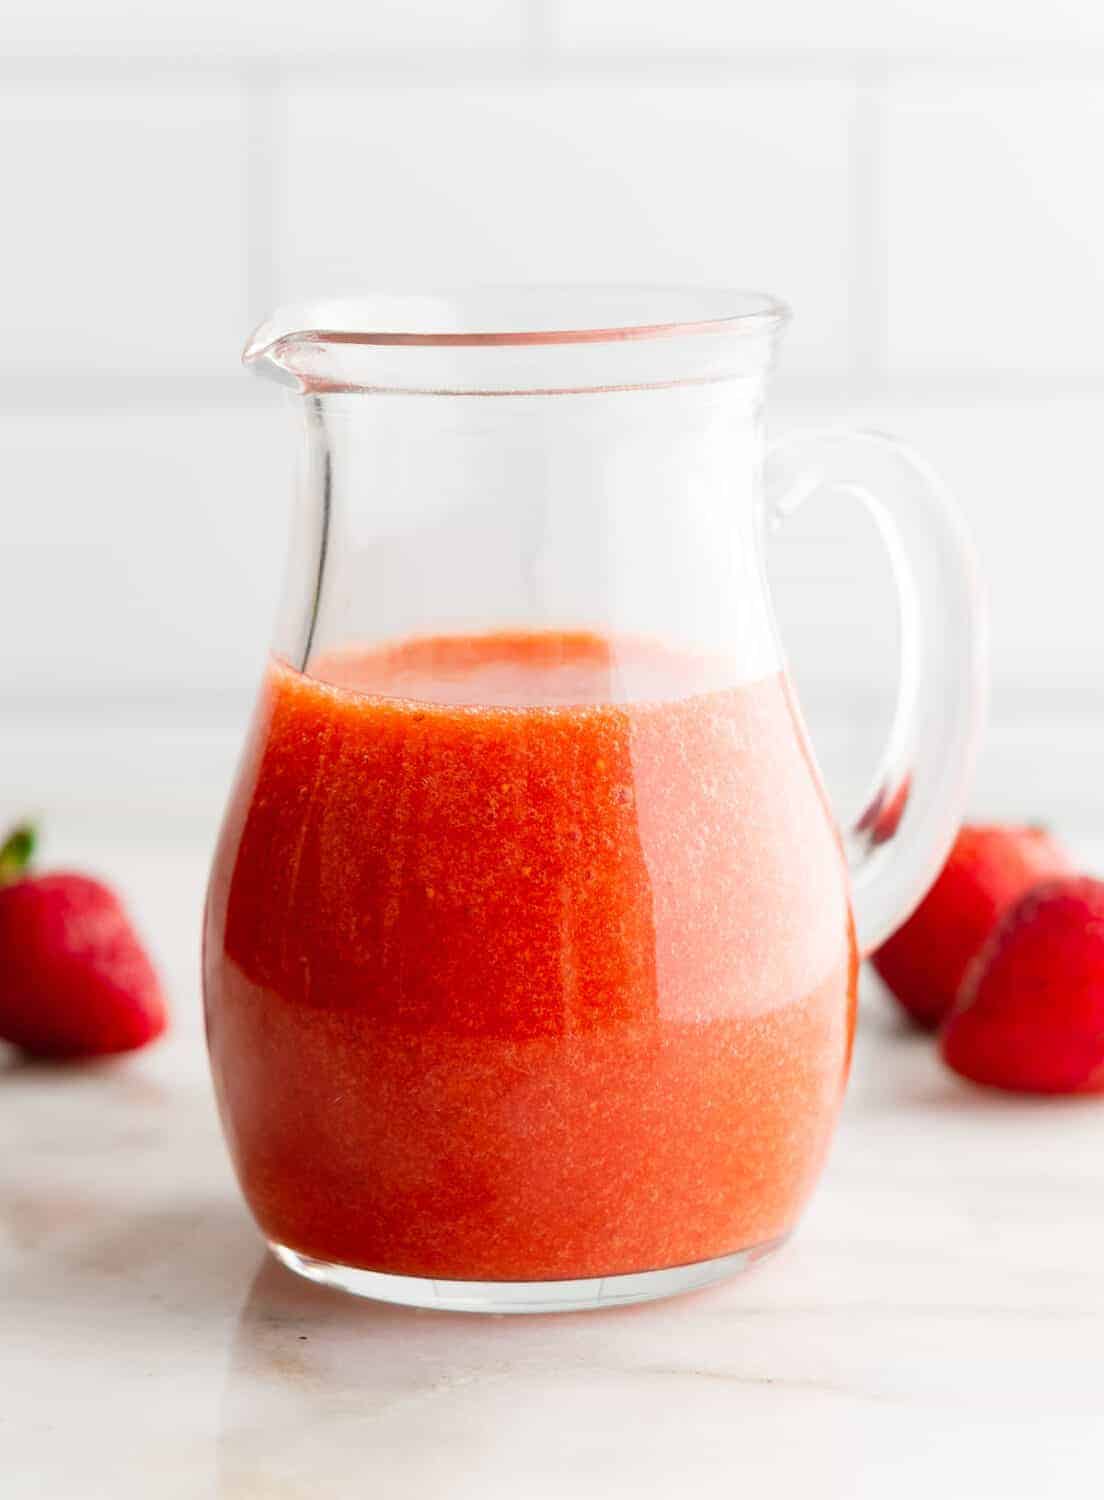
pixel 1031 1013
pixel 74 979
pixel 989 868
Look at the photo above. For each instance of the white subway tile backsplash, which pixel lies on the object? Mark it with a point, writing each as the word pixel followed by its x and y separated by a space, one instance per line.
pixel 946 233
pixel 124 241
pixel 142 556
pixel 994 228
pixel 858 25
pixel 258 27
pixel 738 184
pixel 1028 476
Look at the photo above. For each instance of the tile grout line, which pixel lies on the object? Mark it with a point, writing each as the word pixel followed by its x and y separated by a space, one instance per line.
pixel 541 41
pixel 73 390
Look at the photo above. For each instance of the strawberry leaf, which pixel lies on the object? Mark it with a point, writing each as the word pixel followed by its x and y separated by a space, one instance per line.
pixel 16 852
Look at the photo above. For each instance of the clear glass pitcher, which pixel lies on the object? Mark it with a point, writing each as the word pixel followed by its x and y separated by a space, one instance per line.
pixel 530 949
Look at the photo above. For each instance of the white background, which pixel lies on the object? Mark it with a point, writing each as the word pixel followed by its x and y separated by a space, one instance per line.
pixel 919 179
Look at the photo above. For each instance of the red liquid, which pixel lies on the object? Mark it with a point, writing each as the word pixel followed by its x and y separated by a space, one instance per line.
pixel 524 982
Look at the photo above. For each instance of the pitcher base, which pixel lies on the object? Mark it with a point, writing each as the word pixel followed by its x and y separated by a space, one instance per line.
pixel 523 1296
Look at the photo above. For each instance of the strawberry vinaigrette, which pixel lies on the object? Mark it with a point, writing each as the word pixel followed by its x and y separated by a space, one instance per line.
pixel 527 957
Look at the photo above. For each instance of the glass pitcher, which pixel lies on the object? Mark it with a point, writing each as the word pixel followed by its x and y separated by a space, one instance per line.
pixel 531 945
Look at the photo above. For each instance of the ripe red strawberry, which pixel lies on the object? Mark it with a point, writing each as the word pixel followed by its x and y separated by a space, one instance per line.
pixel 74 979
pixel 1031 1013
pixel 988 870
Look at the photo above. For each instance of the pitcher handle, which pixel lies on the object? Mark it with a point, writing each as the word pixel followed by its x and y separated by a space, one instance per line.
pixel 913 811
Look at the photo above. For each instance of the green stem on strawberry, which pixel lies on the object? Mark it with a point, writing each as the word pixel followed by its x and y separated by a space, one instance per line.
pixel 16 852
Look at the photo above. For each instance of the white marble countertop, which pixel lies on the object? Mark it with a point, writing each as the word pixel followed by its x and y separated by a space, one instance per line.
pixel 935 1328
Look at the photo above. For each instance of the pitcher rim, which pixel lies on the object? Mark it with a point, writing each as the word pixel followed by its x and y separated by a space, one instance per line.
pixel 377 321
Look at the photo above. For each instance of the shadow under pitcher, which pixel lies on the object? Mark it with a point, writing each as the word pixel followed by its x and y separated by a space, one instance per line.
pixel 531 944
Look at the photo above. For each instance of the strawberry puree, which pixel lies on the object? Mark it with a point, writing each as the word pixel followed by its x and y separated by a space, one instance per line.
pixel 527 956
